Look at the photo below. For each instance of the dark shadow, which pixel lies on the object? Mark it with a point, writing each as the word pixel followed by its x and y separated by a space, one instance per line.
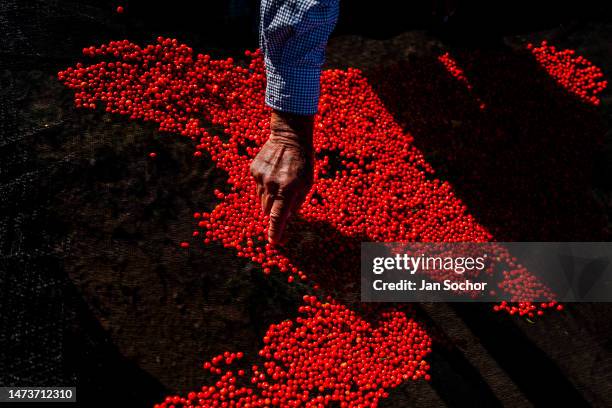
pixel 523 164
pixel 525 363
pixel 457 382
pixel 55 340
pixel 454 378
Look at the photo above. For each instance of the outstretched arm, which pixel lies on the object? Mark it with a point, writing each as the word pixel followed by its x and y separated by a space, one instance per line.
pixel 293 35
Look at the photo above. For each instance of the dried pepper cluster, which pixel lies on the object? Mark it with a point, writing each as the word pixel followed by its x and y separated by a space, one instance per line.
pixel 573 72
pixel 453 68
pixel 371 183
pixel 329 355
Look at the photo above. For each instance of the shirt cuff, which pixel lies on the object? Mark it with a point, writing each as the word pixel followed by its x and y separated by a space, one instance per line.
pixel 293 89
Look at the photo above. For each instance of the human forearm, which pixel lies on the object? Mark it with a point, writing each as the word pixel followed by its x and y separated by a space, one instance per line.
pixel 292 129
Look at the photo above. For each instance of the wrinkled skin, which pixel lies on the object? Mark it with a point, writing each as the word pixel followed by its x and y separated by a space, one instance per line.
pixel 283 170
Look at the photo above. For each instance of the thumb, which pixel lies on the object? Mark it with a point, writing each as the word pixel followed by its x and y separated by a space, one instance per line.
pixel 279 214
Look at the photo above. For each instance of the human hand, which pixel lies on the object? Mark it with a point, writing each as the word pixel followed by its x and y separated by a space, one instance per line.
pixel 283 170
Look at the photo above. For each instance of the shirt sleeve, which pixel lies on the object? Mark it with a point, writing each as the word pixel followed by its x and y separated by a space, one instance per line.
pixel 293 37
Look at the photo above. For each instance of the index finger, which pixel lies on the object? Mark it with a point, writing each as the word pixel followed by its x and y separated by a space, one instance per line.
pixel 279 214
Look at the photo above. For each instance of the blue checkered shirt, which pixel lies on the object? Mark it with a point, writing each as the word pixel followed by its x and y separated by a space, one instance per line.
pixel 293 36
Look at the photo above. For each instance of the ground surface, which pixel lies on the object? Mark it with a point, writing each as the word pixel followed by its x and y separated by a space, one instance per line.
pixel 96 291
